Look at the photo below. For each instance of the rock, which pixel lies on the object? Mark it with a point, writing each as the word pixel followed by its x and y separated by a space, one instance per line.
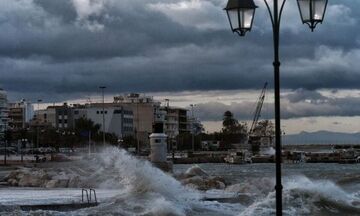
pixel 35 178
pixel 12 182
pixel 196 181
pixel 221 185
pixel 213 184
pixel 20 175
pixel 74 182
pixel 192 186
pixel 29 181
pixel 197 178
pixel 63 183
pixel 11 175
pixel 196 171
pixel 218 178
pixel 243 188
pixel 57 183
pixel 201 183
pixel 180 176
pixel 193 180
pixel 51 184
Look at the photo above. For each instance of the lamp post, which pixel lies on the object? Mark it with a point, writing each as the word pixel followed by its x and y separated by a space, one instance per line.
pixel 241 15
pixel 192 127
pixel 38 122
pixel 169 129
pixel 103 112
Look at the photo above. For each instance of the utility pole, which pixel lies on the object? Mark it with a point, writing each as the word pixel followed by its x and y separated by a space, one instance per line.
pixel 192 127
pixel 241 14
pixel 38 122
pixel 89 143
pixel 6 138
pixel 170 134
pixel 103 113
pixel 137 128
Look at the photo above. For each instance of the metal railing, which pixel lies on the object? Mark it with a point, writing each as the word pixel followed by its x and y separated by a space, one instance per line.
pixel 88 193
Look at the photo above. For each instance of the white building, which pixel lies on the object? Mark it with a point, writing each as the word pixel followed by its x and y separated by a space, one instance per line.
pixel 20 113
pixel 117 119
pixel 146 113
pixel 171 126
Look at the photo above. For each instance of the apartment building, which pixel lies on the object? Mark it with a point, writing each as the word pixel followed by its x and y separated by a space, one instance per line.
pixel 118 120
pixel 20 114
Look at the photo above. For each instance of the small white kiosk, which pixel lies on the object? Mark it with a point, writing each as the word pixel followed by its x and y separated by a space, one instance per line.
pixel 158 144
pixel 158 147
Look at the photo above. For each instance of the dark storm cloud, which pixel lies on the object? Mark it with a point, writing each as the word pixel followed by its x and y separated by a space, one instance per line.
pixel 68 48
pixel 62 9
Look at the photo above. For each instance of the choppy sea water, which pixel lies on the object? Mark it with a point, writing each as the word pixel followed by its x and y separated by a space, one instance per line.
pixel 127 186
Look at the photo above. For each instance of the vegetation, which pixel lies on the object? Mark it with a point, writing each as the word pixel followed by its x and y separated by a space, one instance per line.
pixel 233 131
pixel 69 138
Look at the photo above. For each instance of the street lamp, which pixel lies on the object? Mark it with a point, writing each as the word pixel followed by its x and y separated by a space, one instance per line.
pixel 38 122
pixel 241 15
pixel 312 12
pixel 103 112
pixel 192 127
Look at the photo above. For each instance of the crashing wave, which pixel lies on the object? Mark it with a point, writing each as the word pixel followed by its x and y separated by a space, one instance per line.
pixel 302 196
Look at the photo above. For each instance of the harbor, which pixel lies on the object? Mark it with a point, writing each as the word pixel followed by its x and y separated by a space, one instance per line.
pixel 119 181
pixel 179 108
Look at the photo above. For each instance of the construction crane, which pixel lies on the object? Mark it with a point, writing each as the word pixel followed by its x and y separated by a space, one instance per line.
pixel 257 112
pixel 255 139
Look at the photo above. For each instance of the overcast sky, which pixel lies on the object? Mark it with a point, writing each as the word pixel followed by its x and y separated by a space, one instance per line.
pixel 61 50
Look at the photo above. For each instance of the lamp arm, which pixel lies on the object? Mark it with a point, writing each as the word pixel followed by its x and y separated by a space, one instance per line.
pixel 272 15
pixel 281 10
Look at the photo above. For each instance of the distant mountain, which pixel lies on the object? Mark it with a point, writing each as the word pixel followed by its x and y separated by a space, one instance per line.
pixel 322 137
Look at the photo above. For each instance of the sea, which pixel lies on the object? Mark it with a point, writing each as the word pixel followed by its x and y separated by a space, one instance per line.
pixel 128 186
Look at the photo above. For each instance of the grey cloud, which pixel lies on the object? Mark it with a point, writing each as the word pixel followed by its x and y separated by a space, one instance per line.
pixel 300 103
pixel 305 95
pixel 62 9
pixel 44 48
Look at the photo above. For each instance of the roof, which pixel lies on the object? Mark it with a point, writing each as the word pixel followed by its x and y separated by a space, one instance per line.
pixel 232 4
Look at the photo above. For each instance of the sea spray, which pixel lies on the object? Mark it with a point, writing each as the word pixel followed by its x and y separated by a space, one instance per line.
pixel 128 186
pixel 158 192
pixel 302 196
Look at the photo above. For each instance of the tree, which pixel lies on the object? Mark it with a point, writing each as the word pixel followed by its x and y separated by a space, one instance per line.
pixel 265 128
pixel 263 133
pixel 229 122
pixel 83 125
pixel 233 131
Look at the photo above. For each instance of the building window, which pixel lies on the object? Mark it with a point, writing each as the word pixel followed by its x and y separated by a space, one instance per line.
pixel 97 112
pixel 157 140
pixel 117 111
pixel 76 112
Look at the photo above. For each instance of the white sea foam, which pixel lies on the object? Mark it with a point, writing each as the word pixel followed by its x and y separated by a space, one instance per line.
pixel 302 196
pixel 151 191
pixel 138 188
